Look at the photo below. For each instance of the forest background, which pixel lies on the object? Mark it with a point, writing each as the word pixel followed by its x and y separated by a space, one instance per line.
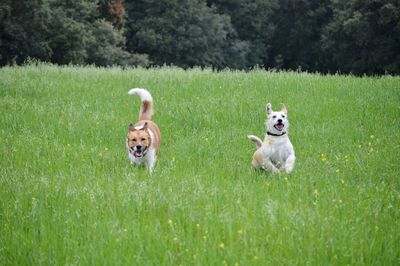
pixel 326 36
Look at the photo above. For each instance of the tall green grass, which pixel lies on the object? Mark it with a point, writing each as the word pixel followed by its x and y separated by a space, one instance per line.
pixel 68 195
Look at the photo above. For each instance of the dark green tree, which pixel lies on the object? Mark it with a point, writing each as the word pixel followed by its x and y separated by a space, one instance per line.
pixel 363 37
pixel 253 25
pixel 184 33
pixel 69 30
pixel 107 47
pixel 357 36
pixel 22 31
pixel 62 32
pixel 295 43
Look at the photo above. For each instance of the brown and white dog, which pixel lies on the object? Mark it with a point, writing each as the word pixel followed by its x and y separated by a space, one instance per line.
pixel 276 152
pixel 144 137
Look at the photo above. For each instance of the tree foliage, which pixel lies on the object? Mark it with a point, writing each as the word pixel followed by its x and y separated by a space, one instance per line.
pixel 184 33
pixel 296 40
pixel 21 31
pixel 62 32
pixel 349 36
pixel 252 21
pixel 363 37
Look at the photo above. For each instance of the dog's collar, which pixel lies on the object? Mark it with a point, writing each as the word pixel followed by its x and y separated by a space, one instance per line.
pixel 275 135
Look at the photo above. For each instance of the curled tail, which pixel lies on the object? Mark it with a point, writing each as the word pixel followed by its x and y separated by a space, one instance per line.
pixel 146 108
pixel 256 140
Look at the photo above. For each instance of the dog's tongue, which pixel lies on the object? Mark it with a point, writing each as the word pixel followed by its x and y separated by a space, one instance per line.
pixel 280 126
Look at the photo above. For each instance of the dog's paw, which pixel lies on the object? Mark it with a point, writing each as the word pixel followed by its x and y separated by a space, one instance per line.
pixel 273 170
pixel 288 169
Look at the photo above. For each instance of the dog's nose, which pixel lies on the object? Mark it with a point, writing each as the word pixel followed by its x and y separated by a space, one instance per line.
pixel 279 120
pixel 139 147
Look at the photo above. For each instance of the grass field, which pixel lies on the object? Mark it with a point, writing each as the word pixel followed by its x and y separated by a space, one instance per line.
pixel 68 195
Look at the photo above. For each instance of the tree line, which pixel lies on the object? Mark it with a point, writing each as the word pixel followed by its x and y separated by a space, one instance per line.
pixel 328 36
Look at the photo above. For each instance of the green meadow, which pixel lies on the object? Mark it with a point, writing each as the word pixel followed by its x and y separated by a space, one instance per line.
pixel 69 196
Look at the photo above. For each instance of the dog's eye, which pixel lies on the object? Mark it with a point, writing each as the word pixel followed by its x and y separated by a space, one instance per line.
pixel 274 116
pixel 134 140
pixel 283 116
pixel 142 139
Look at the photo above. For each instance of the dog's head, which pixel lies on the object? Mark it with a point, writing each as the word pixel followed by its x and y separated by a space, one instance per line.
pixel 139 140
pixel 277 122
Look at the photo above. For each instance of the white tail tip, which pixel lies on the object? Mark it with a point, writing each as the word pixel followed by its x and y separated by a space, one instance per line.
pixel 143 94
pixel 256 140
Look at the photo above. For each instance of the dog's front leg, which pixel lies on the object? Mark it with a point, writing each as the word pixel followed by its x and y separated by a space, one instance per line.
pixel 151 162
pixel 289 164
pixel 268 165
pixel 151 168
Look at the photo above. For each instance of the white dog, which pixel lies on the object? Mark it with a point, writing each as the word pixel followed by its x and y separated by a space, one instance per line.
pixel 276 152
pixel 143 140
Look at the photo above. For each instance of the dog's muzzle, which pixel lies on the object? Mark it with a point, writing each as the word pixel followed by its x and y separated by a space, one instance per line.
pixel 279 126
pixel 138 151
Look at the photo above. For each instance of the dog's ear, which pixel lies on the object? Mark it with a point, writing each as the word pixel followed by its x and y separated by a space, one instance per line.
pixel 131 127
pixel 145 125
pixel 283 108
pixel 268 108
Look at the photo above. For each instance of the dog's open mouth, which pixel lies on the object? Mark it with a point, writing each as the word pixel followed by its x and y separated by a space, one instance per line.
pixel 279 126
pixel 137 153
